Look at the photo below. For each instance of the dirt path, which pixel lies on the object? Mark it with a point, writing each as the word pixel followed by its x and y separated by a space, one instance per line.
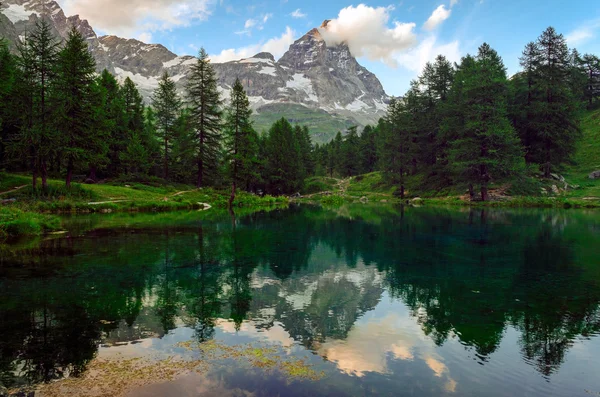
pixel 13 190
pixel 184 192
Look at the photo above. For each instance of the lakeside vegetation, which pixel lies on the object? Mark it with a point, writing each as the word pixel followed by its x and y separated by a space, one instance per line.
pixel 463 134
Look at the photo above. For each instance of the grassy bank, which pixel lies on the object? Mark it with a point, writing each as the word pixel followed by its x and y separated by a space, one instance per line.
pixel 15 223
pixel 25 210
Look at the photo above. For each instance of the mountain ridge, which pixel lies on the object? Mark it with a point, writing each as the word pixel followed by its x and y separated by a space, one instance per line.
pixel 312 74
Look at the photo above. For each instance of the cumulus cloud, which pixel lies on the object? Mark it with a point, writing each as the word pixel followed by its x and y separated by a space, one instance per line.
pixel 366 32
pixel 438 16
pixel 250 23
pixel 138 15
pixel 416 58
pixel 276 46
pixel 298 14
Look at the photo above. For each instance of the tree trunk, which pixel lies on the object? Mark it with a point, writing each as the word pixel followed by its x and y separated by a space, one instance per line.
pixel 402 191
pixel 471 191
pixel 484 192
pixel 547 170
pixel 44 174
pixel 200 172
pixel 233 187
pixel 166 158
pixel 69 172
pixel 93 176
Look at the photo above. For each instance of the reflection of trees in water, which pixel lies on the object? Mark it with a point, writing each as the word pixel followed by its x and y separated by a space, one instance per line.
pixel 467 273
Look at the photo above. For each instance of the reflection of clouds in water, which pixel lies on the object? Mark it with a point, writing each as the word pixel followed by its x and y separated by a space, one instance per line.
pixel 275 334
pixel 370 344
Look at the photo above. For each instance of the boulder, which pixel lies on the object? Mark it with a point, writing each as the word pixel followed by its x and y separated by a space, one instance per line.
pixel 595 175
pixel 555 189
pixel 364 200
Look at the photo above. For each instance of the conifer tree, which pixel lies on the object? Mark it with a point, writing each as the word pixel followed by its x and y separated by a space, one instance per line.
pixel 205 114
pixel 183 149
pixel 240 141
pixel 486 145
pixel 115 120
pixel 368 150
pixel 350 153
pixel 283 159
pixel 38 57
pixel 167 107
pixel 398 144
pixel 555 128
pixel 8 72
pixel 75 103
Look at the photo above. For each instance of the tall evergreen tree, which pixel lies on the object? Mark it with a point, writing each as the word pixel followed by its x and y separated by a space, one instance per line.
pixel 205 114
pixel 368 150
pixel 486 145
pixel 8 71
pixel 283 159
pixel 398 144
pixel 240 140
pixel 38 57
pixel 556 125
pixel 167 106
pixel 75 105
pixel 350 153
pixel 115 121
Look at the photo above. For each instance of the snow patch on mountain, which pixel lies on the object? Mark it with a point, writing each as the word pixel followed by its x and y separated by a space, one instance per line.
pixel 17 13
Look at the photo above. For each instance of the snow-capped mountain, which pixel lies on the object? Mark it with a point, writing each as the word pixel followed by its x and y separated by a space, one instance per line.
pixel 310 74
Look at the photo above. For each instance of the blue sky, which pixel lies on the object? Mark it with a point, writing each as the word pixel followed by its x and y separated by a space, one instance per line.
pixel 392 39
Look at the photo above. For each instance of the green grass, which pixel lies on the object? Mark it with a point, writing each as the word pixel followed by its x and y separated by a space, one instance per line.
pixel 587 158
pixel 322 125
pixel 319 184
pixel 15 223
pixel 134 197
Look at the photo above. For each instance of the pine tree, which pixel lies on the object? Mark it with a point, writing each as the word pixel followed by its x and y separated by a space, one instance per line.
pixel 240 140
pixel 115 121
pixel 591 67
pixel 183 149
pixel 398 146
pixel 523 98
pixel 350 153
pixel 556 125
pixel 167 106
pixel 205 113
pixel 486 145
pixel 368 150
pixel 8 71
pixel 75 104
pixel 283 159
pixel 302 135
pixel 38 57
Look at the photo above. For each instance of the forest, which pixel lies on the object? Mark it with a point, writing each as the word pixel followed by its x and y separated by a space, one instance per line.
pixel 464 124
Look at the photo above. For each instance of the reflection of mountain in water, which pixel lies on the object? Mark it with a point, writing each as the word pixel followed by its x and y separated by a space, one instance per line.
pixel 309 275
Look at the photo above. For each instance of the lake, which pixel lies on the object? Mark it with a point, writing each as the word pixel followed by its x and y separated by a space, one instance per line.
pixel 307 301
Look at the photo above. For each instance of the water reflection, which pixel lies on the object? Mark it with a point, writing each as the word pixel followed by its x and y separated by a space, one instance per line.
pixel 372 290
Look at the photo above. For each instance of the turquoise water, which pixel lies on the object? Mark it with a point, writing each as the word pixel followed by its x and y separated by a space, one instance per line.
pixel 308 301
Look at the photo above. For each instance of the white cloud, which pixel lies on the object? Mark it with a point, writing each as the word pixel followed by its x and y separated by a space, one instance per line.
pixel 365 30
pixel 583 34
pixel 453 3
pixel 266 17
pixel 249 23
pixel 298 14
pixel 138 15
pixel 146 37
pixel 438 16
pixel 427 51
pixel 276 46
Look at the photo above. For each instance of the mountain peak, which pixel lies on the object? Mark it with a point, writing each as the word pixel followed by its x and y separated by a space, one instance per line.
pixel 325 23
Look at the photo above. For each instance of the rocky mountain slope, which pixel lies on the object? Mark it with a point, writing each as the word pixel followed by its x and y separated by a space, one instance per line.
pixel 327 82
